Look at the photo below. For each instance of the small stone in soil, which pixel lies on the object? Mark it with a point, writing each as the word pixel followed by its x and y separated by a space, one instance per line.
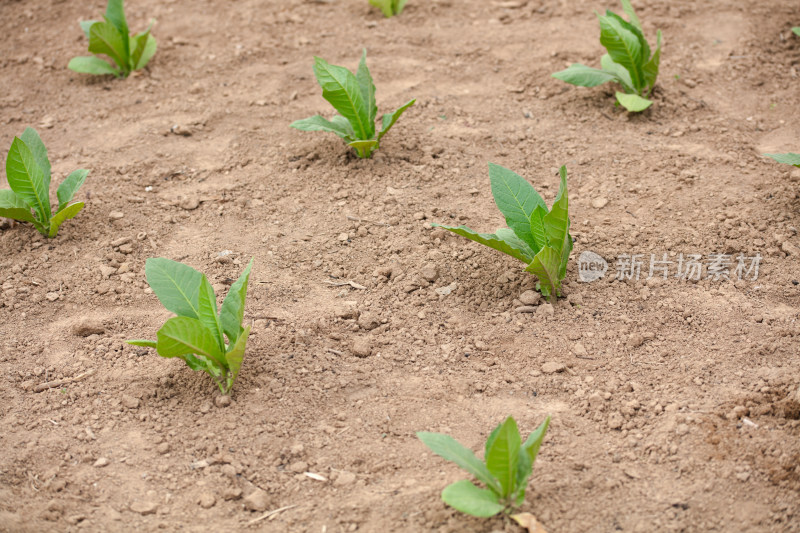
pixel 258 500
pixel 344 479
pixel 362 347
pixel 552 367
pixel 163 448
pixel 207 500
pixel 222 401
pixel 130 402
pixel 232 493
pixel 101 462
pixel 144 508
pixel 530 298
pixel 88 326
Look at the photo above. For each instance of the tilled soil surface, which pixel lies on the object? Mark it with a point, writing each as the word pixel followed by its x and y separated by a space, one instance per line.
pixel 674 402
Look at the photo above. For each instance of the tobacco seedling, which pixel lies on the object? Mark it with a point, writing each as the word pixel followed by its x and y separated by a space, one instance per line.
pixel 353 96
pixel 535 235
pixel 789 159
pixel 112 38
pixel 28 199
pixel 506 469
pixel 198 334
pixel 628 61
pixel 389 7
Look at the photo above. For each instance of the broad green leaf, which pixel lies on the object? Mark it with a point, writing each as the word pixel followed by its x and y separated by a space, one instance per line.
pixel 789 159
pixel 796 30
pixel 624 48
pixel 26 179
pixel 399 5
pixel 546 266
pixel 632 102
pixel 364 149
pixel 534 440
pixel 12 206
pixel 467 498
pixel 650 68
pixel 344 125
pixel 556 222
pixel 528 454
pixel 623 76
pixel 86 25
pixel 493 241
pixel 92 65
pixel 232 312
pixel 176 285
pixel 538 231
pixel 490 440
pixel 450 449
pixel 516 199
pixel 636 31
pixel 584 76
pixel 182 335
pixel 390 118
pixel 66 191
pixel 115 14
pixel 104 38
pixel 234 358
pixel 628 9
pixel 207 310
pixel 384 5
pixel 367 87
pixel 143 51
pixel 340 87
pixel 511 238
pixel 503 455
pixel 32 140
pixel 203 364
pixel 143 342
pixel 319 123
pixel 64 214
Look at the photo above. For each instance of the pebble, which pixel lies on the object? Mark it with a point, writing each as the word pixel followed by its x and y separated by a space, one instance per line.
pixel 163 448
pixel 101 462
pixel 222 401
pixel 530 298
pixel 599 203
pixel 232 493
pixel 429 273
pixel 258 500
pixel 207 500
pixel 615 421
pixel 790 248
pixel 126 249
pixel 189 203
pixel 116 215
pixel 144 508
pixel 130 402
pixel 51 296
pixel 88 326
pixel 362 347
pixel 343 237
pixel 344 478
pixel 553 367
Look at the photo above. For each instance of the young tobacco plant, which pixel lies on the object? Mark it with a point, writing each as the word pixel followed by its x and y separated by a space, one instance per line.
pixel 535 235
pixel 198 334
pixel 505 470
pixel 789 159
pixel 628 61
pixel 353 96
pixel 389 7
pixel 28 199
pixel 112 38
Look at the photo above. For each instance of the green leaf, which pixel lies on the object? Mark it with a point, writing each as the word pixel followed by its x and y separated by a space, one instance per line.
pixel 86 25
pixel 26 179
pixel 66 191
pixel 528 453
pixel 92 65
pixel 115 14
pixel 390 118
pixel 319 123
pixel 207 311
pixel 467 498
pixel 144 48
pixel 399 5
pixel 32 140
pixel 450 449
pixel 516 199
pixel 503 455
pixel 538 231
pixel 546 266
pixel 104 38
pixel 367 87
pixel 796 30
pixel 203 364
pixel 556 222
pixel 232 312
pixel 143 342
pixel 384 5
pixel 624 48
pixel 517 249
pixel 364 149
pixel 176 285
pixel 789 159
pixel 12 206
pixel 632 102
pixel 623 76
pixel 340 87
pixel 584 76
pixel 182 335
pixel 234 358
pixel 628 9
pixel 63 215
pixel 645 47
pixel 650 68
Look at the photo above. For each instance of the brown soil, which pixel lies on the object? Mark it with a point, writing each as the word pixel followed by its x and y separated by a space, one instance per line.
pixel 674 404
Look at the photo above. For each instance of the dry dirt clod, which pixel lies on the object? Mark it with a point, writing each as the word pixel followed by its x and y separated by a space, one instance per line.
pixel 429 273
pixel 344 478
pixel 101 462
pixel 615 421
pixel 130 402
pixel 530 298
pixel 258 501
pixel 207 500
pixel 223 400
pixel 553 367
pixel 232 493
pixel 88 326
pixel 163 448
pixel 116 215
pixel 362 347
pixel 599 203
pixel 368 321
pixel 144 508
